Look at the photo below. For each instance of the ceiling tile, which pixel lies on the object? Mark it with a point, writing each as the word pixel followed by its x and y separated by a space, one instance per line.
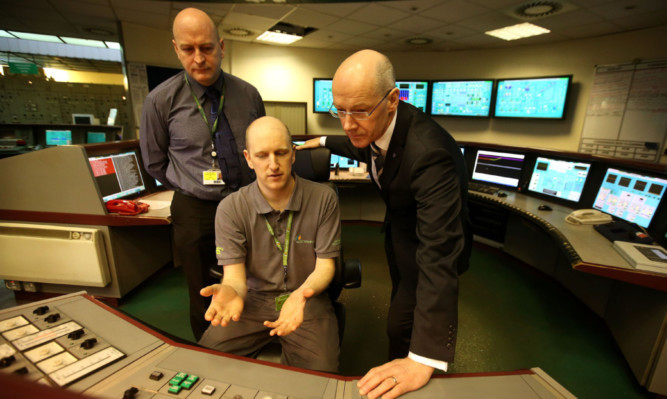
pixel 572 18
pixel 451 32
pixel 252 22
pixel 338 9
pixel 489 22
pixel 496 4
pixel 329 36
pixel 413 6
pixel 417 24
pixel 351 27
pixel 625 8
pixel 386 34
pixel 595 29
pixel 453 11
pixel 378 15
pixel 275 11
pixel 310 18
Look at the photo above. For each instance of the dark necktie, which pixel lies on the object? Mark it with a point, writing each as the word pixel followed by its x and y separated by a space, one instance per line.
pixel 378 160
pixel 225 144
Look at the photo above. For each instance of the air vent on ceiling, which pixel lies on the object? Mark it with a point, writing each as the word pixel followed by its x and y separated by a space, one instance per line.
pixel 533 10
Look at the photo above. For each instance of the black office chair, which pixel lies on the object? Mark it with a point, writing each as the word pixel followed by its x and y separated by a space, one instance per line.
pixel 314 164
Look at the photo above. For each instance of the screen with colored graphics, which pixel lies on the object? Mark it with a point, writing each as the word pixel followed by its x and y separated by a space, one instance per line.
pixel 544 98
pixel 559 178
pixel 462 98
pixel 118 175
pixel 630 196
pixel 413 92
pixel 498 167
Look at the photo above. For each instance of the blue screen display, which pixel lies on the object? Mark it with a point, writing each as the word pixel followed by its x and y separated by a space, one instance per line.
pixel 58 137
pixel 343 163
pixel 96 137
pixel 532 98
pixel 559 178
pixel 630 196
pixel 414 93
pixel 462 98
pixel 322 97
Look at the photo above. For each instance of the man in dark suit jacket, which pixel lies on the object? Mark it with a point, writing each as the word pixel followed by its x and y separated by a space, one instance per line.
pixel 422 178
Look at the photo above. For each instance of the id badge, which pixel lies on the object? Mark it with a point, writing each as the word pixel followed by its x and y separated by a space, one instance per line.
pixel 280 301
pixel 213 177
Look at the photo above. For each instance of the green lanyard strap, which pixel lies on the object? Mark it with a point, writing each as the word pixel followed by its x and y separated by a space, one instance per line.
pixel 214 128
pixel 284 250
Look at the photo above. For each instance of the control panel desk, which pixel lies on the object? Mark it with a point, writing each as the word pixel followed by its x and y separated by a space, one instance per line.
pixel 632 302
pixel 76 343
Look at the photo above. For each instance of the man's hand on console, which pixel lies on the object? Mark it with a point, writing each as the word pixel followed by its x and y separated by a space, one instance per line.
pixel 291 314
pixel 226 305
pixel 395 378
pixel 312 143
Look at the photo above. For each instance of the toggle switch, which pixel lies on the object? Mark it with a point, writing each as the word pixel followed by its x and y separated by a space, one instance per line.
pixel 89 343
pixel 75 334
pixel 7 361
pixel 41 310
pixel 52 318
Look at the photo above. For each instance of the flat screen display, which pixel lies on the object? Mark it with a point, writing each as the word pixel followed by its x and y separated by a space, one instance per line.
pixel 117 175
pixel 498 167
pixel 343 162
pixel 58 137
pixel 559 178
pixel 322 97
pixel 462 98
pixel 630 196
pixel 532 97
pixel 413 92
pixel 96 137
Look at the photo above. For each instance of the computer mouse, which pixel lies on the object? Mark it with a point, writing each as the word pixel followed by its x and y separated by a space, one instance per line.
pixel 544 207
pixel 501 194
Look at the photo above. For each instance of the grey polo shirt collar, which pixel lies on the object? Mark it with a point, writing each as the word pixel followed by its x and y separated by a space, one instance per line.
pixel 262 206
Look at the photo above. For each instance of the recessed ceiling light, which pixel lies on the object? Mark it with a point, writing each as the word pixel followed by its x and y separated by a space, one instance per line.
pixel 419 41
pixel 239 32
pixel 518 31
pixel 278 37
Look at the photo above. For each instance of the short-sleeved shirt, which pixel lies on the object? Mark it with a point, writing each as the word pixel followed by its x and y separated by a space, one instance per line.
pixel 242 236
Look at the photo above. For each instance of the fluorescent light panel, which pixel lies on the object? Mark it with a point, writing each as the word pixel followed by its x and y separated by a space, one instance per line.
pixel 278 37
pixel 83 42
pixel 37 37
pixel 518 31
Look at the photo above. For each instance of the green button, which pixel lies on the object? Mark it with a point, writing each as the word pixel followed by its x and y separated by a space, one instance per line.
pixel 187 384
pixel 175 389
pixel 192 378
pixel 178 378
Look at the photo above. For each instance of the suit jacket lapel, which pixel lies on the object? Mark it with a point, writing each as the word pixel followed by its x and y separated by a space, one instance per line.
pixel 392 160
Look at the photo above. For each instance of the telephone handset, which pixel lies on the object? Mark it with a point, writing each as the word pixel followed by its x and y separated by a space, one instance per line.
pixel 588 216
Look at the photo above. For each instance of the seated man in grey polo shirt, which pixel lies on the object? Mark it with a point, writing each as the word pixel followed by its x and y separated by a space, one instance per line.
pixel 277 239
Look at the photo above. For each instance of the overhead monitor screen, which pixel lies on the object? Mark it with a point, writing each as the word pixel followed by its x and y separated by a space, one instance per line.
pixel 630 196
pixel 58 137
pixel 413 92
pixel 96 137
pixel 462 98
pixel 559 178
pixel 118 175
pixel 532 98
pixel 322 97
pixel 498 167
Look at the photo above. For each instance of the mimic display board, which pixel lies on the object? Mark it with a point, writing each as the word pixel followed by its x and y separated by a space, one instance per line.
pixel 542 97
pixel 461 98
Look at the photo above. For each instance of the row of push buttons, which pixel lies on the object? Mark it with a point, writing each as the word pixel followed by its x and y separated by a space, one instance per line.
pixel 182 381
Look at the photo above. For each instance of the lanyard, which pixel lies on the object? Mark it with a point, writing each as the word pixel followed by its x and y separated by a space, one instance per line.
pixel 214 128
pixel 284 250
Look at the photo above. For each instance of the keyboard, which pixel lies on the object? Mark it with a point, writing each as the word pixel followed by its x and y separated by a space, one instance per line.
pixel 482 188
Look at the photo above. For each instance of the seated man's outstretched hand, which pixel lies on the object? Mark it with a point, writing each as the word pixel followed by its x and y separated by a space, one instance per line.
pixel 312 143
pixel 226 304
pixel 291 315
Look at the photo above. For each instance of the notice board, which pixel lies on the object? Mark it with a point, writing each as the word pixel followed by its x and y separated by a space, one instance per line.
pixel 626 115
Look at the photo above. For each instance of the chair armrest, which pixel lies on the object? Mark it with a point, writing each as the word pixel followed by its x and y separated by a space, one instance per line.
pixel 352 273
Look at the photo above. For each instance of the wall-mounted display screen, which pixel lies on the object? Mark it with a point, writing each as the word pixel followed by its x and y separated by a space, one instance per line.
pixel 413 92
pixel 630 196
pixel 559 178
pixel 58 137
pixel 96 137
pixel 498 167
pixel 461 97
pixel 117 175
pixel 322 97
pixel 544 97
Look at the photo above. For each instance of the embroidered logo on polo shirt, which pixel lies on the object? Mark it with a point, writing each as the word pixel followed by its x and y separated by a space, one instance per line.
pixel 218 250
pixel 299 240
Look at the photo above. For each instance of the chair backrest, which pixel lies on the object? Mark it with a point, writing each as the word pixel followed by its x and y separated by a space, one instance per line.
pixel 313 164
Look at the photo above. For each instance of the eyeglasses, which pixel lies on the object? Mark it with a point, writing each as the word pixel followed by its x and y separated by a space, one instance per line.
pixel 357 115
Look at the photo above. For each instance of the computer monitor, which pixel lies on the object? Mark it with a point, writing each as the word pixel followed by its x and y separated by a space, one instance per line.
pixel 559 178
pixel 58 137
pixel 83 119
pixel 322 97
pixel 343 162
pixel 461 97
pixel 630 196
pixel 96 137
pixel 543 97
pixel 117 175
pixel 413 92
pixel 498 167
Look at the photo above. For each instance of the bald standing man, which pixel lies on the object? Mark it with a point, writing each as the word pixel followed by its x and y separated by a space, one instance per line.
pixel 192 139
pixel 420 173
pixel 276 239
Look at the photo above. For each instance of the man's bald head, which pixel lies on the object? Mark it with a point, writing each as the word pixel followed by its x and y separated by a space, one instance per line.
pixel 193 17
pixel 267 125
pixel 368 66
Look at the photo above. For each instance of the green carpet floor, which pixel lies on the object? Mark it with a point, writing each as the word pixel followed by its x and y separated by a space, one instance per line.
pixel 510 317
